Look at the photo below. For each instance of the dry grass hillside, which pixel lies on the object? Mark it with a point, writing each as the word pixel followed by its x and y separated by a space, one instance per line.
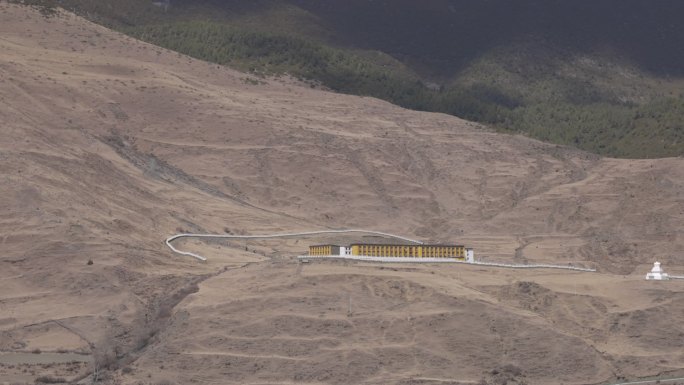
pixel 110 145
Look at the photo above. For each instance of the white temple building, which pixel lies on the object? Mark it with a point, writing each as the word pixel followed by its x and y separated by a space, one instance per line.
pixel 657 273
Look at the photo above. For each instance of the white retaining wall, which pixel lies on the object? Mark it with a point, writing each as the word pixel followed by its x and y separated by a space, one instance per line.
pixel 443 260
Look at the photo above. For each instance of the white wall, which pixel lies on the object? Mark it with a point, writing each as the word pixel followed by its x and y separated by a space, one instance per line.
pixel 470 255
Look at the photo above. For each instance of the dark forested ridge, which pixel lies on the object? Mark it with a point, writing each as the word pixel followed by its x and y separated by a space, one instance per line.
pixel 605 76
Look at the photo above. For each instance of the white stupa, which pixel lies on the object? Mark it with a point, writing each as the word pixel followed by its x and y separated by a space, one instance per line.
pixel 657 273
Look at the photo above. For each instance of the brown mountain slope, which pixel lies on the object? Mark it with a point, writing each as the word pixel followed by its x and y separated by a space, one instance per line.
pixel 110 145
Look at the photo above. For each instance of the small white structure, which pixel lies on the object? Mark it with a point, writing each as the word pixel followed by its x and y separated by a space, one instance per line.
pixel 657 273
pixel 470 255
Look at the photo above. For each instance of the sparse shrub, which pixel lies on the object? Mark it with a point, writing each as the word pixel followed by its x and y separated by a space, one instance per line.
pixel 36 351
pixel 50 380
pixel 46 7
pixel 165 311
pixel 512 370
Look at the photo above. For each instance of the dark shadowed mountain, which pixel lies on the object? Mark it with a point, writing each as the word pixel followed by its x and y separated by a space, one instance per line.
pixel 604 76
pixel 448 34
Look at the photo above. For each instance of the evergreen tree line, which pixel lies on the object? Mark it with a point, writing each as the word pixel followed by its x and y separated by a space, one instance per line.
pixel 582 117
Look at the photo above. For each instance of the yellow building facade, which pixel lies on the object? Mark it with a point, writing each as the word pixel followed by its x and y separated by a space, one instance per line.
pixel 324 250
pixel 385 250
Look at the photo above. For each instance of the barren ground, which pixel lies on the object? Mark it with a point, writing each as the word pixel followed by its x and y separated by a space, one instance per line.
pixel 110 145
